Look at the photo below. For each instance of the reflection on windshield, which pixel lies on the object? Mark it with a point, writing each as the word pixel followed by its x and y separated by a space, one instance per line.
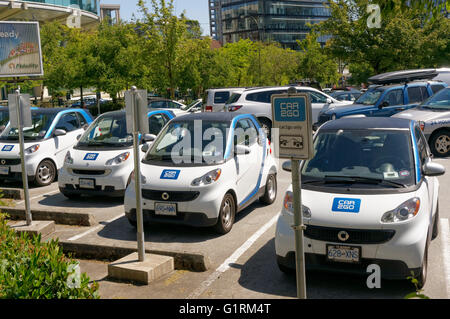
pixel 107 131
pixel 40 125
pixel 4 118
pixel 440 100
pixel 370 97
pixel 364 156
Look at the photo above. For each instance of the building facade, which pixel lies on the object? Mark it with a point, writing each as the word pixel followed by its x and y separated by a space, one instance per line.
pixel 265 20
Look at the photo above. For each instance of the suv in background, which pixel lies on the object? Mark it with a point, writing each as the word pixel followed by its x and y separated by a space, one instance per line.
pixel 258 101
pixel 392 93
pixel 217 98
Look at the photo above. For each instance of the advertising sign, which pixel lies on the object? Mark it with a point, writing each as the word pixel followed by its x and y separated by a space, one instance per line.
pixel 20 49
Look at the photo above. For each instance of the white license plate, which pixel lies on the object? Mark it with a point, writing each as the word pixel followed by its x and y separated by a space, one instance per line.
pixel 4 170
pixel 87 183
pixel 344 254
pixel 165 209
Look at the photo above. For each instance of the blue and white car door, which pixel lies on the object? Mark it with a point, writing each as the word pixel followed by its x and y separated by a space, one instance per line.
pixel 248 166
pixel 69 123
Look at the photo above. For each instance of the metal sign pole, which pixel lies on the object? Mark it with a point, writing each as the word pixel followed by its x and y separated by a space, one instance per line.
pixel 22 160
pixel 298 230
pixel 137 177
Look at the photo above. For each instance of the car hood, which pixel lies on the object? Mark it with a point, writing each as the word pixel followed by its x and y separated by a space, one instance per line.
pixel 346 108
pixel 96 159
pixel 425 115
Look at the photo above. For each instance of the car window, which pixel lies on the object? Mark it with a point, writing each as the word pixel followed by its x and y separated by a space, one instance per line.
pixel 415 94
pixel 263 97
pixel 234 98
pixel 158 104
pixel 318 98
pixel 81 119
pixel 68 122
pixel 221 97
pixel 436 88
pixel 421 145
pixel 246 133
pixel 394 97
pixel 156 122
pixel 173 105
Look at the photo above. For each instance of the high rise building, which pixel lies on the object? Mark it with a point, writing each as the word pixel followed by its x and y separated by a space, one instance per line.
pixel 265 20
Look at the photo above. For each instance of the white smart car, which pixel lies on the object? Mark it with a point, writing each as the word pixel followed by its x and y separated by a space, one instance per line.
pixel 203 169
pixel 369 196
pixel 54 131
pixel 101 162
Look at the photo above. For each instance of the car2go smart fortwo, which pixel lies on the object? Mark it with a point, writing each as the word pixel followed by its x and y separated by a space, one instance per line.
pixel 53 132
pixel 203 169
pixel 369 196
pixel 101 162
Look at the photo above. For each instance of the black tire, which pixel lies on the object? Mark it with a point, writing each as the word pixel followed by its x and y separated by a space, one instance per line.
pixel 440 144
pixel 270 193
pixel 45 173
pixel 286 270
pixel 267 127
pixel 436 224
pixel 422 278
pixel 132 222
pixel 227 214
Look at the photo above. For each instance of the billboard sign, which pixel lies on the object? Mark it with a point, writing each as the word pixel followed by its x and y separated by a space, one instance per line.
pixel 20 49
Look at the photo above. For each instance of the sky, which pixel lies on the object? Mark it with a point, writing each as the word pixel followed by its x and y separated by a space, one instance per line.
pixel 195 9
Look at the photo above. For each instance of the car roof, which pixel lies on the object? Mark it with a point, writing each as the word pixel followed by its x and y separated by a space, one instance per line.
pixel 368 123
pixel 54 110
pixel 263 88
pixel 209 116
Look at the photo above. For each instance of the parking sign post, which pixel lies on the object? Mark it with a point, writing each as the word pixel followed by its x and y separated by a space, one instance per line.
pixel 291 118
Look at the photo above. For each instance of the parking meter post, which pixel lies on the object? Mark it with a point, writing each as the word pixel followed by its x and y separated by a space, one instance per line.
pixel 137 178
pixel 298 230
pixel 22 160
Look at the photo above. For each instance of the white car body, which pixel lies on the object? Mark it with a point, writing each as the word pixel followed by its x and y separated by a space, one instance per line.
pixel 92 171
pixel 353 218
pixel 242 175
pixel 49 147
pixel 257 101
pixel 217 98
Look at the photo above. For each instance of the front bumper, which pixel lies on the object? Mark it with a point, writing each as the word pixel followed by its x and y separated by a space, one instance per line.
pixel 182 218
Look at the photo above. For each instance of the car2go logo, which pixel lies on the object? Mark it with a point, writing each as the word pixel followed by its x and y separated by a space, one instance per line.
pixel 170 174
pixel 346 205
pixel 91 157
pixel 290 111
pixel 7 148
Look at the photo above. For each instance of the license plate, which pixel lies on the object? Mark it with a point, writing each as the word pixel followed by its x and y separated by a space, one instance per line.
pixel 344 254
pixel 4 170
pixel 87 183
pixel 165 209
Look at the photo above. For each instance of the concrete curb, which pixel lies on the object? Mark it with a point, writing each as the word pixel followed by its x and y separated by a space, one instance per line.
pixel 12 193
pixel 183 261
pixel 62 218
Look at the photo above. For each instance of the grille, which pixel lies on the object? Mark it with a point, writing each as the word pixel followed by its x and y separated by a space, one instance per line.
pixel 173 196
pixel 13 161
pixel 88 172
pixel 355 236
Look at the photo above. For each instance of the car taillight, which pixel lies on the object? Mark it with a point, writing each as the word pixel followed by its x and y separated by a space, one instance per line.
pixel 422 125
pixel 208 108
pixel 233 108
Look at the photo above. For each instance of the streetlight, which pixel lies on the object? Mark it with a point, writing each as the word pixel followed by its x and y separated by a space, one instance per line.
pixel 259 45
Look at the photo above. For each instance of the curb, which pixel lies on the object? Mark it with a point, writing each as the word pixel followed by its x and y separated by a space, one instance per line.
pixel 62 218
pixel 183 261
pixel 12 193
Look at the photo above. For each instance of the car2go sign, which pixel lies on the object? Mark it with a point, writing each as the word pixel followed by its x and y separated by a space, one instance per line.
pixel 291 118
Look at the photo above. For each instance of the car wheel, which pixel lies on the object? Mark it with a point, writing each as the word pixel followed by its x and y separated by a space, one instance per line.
pixel 286 270
pixel 436 224
pixel 270 193
pixel 45 173
pixel 226 216
pixel 423 270
pixel 440 144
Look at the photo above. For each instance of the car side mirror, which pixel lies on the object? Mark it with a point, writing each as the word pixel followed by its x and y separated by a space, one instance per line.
pixel 145 148
pixel 329 101
pixel 78 137
pixel 384 104
pixel 60 132
pixel 242 150
pixel 149 137
pixel 433 169
pixel 85 126
pixel 287 166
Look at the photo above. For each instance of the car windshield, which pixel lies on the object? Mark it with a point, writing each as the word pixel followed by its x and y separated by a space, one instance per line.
pixel 380 158
pixel 195 103
pixel 439 101
pixel 234 98
pixel 371 97
pixel 108 130
pixel 190 142
pixel 41 123
pixel 4 118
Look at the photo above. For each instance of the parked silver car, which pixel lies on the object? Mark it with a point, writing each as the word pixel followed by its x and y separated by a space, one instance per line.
pixel 434 117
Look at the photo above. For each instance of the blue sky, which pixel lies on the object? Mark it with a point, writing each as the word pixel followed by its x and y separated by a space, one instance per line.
pixel 195 9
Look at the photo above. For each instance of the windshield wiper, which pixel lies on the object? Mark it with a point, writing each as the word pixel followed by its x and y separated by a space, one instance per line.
pixel 360 179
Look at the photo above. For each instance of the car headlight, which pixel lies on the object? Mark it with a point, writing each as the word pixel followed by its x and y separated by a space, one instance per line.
pixel 32 149
pixel 405 211
pixel 288 205
pixel 68 159
pixel 208 178
pixel 119 159
pixel 333 117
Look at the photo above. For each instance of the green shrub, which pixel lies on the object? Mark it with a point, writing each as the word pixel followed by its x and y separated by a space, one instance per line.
pixel 31 269
pixel 107 107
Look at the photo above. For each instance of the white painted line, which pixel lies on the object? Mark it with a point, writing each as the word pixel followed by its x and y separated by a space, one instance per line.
pixel 93 229
pixel 232 259
pixel 36 197
pixel 445 238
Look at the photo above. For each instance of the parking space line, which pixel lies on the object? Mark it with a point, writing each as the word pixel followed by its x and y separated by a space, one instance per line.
pixel 445 238
pixel 232 259
pixel 39 196
pixel 94 228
